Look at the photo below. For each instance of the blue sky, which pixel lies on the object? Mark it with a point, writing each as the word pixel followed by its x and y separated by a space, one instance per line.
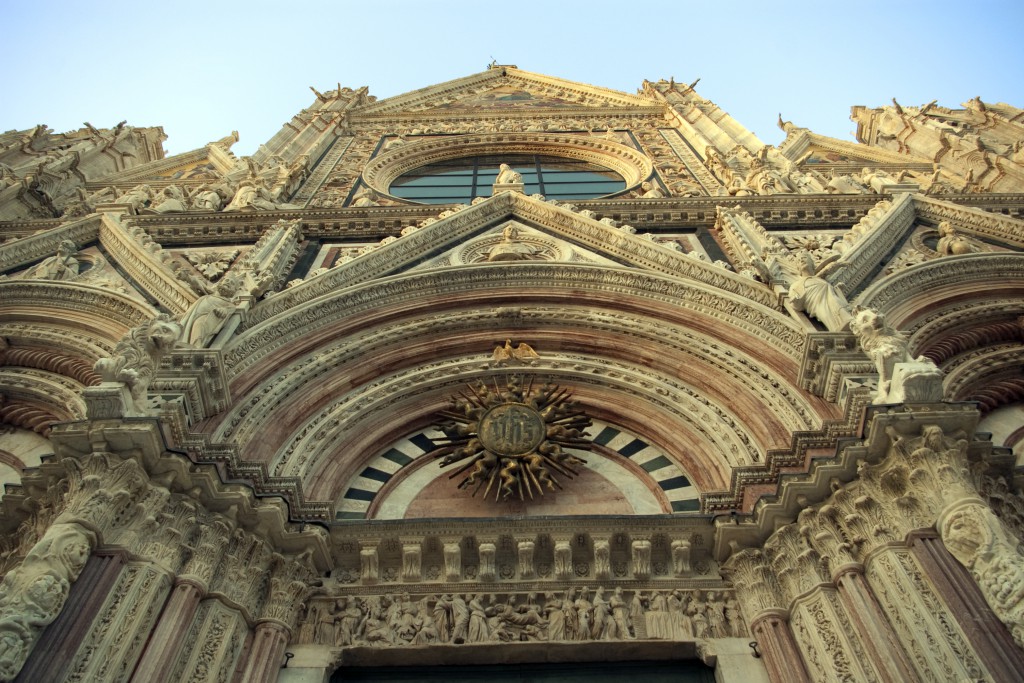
pixel 202 69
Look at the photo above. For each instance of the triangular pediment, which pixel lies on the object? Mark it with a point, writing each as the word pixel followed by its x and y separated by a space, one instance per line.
pixel 811 150
pixel 550 232
pixel 512 240
pixel 507 89
pixel 206 164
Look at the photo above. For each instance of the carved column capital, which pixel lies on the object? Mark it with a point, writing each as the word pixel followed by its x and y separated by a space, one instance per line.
pixel 102 487
pixel 798 566
pixel 757 588
pixel 207 551
pixel 290 582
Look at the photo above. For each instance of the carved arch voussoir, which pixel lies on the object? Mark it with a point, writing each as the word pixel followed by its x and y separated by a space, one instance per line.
pixel 906 294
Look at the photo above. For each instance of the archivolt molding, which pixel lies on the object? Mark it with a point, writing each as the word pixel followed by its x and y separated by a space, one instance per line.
pixel 972 371
pixel 914 289
pixel 9 459
pixel 626 161
pixel 951 319
pixel 76 368
pixel 974 336
pixel 489 285
pixel 673 346
pixel 358 413
pixel 68 301
pixel 28 416
pixel 77 343
pixel 998 393
pixel 391 489
pixel 60 395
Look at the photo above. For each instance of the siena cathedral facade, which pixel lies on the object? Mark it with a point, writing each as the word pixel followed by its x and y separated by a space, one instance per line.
pixel 513 377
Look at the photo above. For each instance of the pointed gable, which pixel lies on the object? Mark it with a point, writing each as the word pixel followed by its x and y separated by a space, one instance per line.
pixel 559 227
pixel 507 89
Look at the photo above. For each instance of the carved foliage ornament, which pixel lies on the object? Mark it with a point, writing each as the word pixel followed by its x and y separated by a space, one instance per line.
pixel 509 440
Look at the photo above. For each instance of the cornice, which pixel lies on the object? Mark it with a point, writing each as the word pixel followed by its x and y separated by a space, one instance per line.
pixel 139 174
pixel 669 214
pixel 973 220
pixel 799 143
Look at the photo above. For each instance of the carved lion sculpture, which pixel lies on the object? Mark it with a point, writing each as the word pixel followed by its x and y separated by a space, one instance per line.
pixel 919 380
pixel 883 344
pixel 138 354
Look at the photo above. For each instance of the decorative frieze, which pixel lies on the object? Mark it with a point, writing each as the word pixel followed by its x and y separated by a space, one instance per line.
pixel 579 614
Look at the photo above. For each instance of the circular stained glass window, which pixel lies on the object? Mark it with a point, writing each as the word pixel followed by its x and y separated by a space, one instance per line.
pixel 459 181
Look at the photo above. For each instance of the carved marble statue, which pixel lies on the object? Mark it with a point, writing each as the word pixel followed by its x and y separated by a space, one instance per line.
pixel 249 196
pixel 137 356
pixel 651 191
pixel 511 248
pixel 139 197
pixel 365 197
pixel 207 198
pixel 508 176
pixel 844 184
pixel 818 297
pixel 170 200
pixel 521 352
pixel 876 179
pixel 204 319
pixel 63 266
pixel 951 242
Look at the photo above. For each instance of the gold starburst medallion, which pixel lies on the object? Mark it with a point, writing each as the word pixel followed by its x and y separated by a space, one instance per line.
pixel 511 440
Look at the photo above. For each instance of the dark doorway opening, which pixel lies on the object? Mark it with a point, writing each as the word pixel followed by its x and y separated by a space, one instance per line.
pixel 549 672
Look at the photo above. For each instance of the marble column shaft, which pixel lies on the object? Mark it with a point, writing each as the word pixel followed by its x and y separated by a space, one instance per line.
pixel 56 648
pixel 165 641
pixel 778 648
pixel 266 654
pixel 986 633
pixel 876 633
